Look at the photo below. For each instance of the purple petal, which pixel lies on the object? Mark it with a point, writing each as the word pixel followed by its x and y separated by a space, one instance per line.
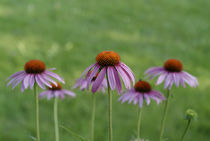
pixel 52 74
pixel 44 81
pixel 161 78
pixel 128 71
pixel 169 81
pixel 26 80
pixel 43 94
pixel 39 82
pixel 50 95
pixel 32 81
pixel 16 78
pixel 140 100
pixel 47 78
pixel 124 77
pixel 118 82
pixel 90 67
pixel 72 94
pixel 22 87
pixel 176 79
pixel 111 78
pixel 99 80
pixel 147 99
pixel 94 73
pixel 15 74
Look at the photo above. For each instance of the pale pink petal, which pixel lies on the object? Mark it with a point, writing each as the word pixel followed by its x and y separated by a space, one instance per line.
pixel 97 83
pixel 118 82
pixel 111 78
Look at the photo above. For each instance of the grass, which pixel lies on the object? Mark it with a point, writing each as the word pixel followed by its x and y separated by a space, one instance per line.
pixel 68 34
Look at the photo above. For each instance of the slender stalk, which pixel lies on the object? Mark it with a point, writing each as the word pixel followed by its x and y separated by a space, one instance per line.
pixel 164 115
pixel 37 112
pixel 110 109
pixel 56 119
pixel 93 116
pixel 185 131
pixel 139 124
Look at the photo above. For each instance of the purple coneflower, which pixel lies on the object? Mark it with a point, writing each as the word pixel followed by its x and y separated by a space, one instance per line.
pixel 82 83
pixel 108 64
pixel 34 73
pixel 172 73
pixel 56 91
pixel 142 90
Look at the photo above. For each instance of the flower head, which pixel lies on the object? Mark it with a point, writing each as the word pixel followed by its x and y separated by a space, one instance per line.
pixel 190 114
pixel 82 83
pixel 142 90
pixel 172 73
pixel 108 63
pixel 34 72
pixel 56 91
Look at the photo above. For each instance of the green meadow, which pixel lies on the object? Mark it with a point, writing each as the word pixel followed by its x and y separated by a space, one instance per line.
pixel 68 35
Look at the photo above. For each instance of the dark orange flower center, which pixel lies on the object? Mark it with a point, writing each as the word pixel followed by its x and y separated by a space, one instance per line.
pixel 34 66
pixel 108 58
pixel 173 65
pixel 143 87
pixel 54 87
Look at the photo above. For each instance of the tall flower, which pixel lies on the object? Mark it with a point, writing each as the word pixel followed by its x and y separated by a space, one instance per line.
pixel 172 73
pixel 141 91
pixel 56 91
pixel 108 64
pixel 82 83
pixel 34 72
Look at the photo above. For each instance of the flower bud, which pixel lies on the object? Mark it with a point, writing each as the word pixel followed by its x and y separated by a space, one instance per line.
pixel 190 114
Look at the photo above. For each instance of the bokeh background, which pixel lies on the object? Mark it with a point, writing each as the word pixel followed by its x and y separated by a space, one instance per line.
pixel 68 34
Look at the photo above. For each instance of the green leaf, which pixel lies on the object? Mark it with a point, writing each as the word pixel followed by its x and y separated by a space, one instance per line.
pixel 73 133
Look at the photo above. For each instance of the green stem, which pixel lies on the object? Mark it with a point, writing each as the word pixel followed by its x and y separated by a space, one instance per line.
pixel 93 116
pixel 139 124
pixel 37 112
pixel 110 109
pixel 164 115
pixel 188 125
pixel 56 119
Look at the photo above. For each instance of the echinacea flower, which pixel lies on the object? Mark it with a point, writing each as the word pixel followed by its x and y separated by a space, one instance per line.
pixel 142 91
pixel 56 91
pixel 82 83
pixel 108 63
pixel 34 72
pixel 172 73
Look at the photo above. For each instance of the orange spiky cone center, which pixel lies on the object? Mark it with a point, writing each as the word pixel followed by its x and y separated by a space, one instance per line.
pixel 108 58
pixel 173 65
pixel 34 66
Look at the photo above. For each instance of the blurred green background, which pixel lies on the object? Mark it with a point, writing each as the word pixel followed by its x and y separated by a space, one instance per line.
pixel 68 34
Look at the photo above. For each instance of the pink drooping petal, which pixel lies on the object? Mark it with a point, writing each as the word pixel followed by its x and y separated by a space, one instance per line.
pixel 97 83
pixel 111 77
pixel 16 78
pixel 22 87
pixel 147 99
pixel 86 70
pixel 189 79
pixel 39 82
pixel 44 81
pixel 176 78
pixel 54 75
pixel 47 78
pixel 26 81
pixel 161 78
pixel 69 93
pixel 32 81
pixel 124 77
pixel 118 82
pixel 168 80
pixel 43 94
pixel 93 74
pixel 50 95
pixel 15 74
pixel 140 100
pixel 129 72
pixel 154 70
